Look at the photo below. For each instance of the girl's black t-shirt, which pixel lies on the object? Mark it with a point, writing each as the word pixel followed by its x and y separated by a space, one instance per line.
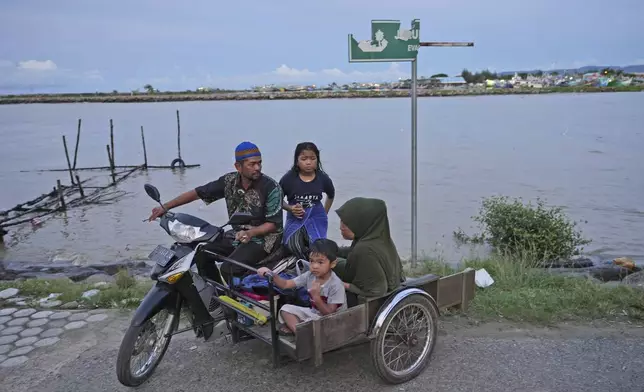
pixel 306 193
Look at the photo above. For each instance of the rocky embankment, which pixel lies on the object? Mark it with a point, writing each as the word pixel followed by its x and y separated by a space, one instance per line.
pixel 62 285
pixel 619 271
pixel 285 95
pixel 14 297
pixel 66 269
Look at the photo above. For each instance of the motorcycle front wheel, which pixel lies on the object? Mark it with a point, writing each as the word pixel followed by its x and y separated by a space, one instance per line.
pixel 144 346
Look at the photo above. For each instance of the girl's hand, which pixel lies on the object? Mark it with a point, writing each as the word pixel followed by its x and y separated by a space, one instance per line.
pixel 263 271
pixel 346 285
pixel 297 210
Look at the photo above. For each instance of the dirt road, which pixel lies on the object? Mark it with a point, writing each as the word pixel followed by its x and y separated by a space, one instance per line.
pixel 490 357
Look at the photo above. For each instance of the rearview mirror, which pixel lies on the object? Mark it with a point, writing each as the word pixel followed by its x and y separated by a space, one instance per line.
pixel 241 218
pixel 153 192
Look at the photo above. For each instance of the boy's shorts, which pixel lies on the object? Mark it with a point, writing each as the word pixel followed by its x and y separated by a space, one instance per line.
pixel 302 313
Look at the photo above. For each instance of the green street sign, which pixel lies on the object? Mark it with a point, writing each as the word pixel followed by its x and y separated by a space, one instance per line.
pixel 388 43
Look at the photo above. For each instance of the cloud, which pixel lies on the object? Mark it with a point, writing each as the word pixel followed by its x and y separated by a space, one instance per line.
pixel 284 73
pixel 578 64
pixel 94 74
pixel 35 65
pixel 288 72
pixel 32 76
pixel 393 72
pixel 290 75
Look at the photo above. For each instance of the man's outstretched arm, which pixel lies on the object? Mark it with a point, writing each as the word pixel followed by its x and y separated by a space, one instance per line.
pixel 184 198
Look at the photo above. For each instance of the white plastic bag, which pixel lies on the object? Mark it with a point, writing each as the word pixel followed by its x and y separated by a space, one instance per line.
pixel 301 266
pixel 482 278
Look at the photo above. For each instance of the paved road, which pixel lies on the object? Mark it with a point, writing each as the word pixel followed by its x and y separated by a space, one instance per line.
pixel 484 358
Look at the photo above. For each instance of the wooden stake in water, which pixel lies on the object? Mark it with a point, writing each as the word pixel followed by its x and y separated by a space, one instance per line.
pixel 80 187
pixel 178 136
pixel 77 143
pixel 145 153
pixel 109 157
pixel 69 165
pixel 112 143
pixel 61 197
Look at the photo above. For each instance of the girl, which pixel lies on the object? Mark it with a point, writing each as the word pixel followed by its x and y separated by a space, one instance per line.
pixel 303 186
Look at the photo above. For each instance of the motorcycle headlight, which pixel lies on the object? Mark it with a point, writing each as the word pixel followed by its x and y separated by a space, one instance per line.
pixel 184 233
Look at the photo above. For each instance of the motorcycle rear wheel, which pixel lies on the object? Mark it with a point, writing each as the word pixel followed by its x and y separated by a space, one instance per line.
pixel 137 339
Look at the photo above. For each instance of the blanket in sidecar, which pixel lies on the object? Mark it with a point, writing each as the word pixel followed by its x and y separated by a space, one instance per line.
pixel 259 285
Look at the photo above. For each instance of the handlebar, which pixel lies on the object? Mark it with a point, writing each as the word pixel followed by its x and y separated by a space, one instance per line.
pixel 269 275
pixel 231 261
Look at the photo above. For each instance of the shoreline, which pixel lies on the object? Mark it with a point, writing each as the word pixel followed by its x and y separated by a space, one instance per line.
pixel 556 294
pixel 289 95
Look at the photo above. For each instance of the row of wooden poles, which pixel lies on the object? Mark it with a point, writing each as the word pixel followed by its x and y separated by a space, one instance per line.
pixel 71 167
pixel 110 153
pixel 41 206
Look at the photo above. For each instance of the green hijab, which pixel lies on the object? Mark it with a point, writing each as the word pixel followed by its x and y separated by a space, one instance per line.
pixel 373 264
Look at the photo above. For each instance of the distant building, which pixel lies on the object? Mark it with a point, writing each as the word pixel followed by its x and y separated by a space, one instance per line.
pixel 452 81
pixel 638 77
pixel 591 76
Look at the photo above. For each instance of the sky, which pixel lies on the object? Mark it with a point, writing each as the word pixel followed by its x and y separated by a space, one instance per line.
pixel 98 45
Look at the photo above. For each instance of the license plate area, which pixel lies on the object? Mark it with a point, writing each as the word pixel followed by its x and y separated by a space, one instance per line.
pixel 161 255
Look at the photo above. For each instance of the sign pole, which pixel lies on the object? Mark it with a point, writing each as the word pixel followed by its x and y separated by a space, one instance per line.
pixel 414 144
pixel 389 42
pixel 414 163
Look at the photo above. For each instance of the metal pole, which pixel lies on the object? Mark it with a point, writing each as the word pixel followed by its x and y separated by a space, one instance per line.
pixel 447 44
pixel 414 146
pixel 414 164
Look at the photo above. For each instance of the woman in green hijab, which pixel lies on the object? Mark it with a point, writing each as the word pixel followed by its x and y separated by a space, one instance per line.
pixel 373 266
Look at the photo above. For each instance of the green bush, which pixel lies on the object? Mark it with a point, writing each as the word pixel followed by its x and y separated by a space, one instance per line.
pixel 539 232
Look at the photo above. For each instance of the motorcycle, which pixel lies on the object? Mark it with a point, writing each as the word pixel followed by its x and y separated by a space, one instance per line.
pixel 179 288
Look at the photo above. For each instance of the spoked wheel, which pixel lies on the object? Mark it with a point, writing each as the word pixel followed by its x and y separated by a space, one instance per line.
pixel 143 348
pixel 406 340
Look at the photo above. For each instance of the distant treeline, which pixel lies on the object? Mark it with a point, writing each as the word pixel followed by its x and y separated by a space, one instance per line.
pixel 481 77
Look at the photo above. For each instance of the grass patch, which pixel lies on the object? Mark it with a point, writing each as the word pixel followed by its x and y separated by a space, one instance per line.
pixel 525 294
pixel 126 292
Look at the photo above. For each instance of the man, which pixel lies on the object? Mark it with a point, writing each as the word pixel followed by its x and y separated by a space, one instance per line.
pixel 245 190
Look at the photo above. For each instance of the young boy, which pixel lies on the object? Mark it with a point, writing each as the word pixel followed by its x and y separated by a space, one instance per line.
pixel 325 288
